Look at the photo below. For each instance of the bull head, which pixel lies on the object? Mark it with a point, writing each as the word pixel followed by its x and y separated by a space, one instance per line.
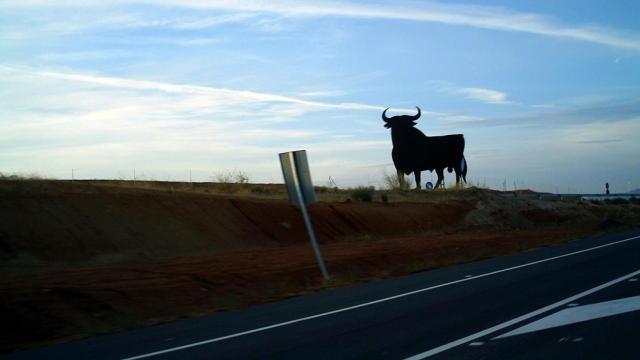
pixel 406 120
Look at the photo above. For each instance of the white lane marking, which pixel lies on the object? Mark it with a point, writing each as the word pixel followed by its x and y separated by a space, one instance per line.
pixel 577 340
pixel 524 317
pixel 476 343
pixel 264 328
pixel 633 280
pixel 578 314
pixel 573 305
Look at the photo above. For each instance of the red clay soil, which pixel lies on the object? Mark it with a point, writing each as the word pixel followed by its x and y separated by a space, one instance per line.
pixel 84 260
pixel 104 225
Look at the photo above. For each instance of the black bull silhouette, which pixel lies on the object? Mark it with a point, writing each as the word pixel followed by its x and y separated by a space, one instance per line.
pixel 414 152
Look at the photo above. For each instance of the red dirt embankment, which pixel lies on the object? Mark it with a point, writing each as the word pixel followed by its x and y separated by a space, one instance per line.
pixel 83 259
pixel 102 225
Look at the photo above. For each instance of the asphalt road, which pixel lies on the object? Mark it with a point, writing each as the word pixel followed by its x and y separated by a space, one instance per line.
pixel 573 301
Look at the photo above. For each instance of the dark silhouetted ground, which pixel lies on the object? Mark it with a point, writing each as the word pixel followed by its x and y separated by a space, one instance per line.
pixel 91 257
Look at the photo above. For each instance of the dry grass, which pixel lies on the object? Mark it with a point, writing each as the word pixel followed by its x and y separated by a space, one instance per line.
pixel 232 188
pixel 395 183
pixel 22 177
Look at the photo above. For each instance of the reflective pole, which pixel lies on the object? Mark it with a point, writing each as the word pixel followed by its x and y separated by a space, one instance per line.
pixel 307 221
pixel 294 184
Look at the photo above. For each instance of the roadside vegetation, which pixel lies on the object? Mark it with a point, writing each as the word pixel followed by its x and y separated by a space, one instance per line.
pixel 232 181
pixel 31 176
pixel 363 193
pixel 393 182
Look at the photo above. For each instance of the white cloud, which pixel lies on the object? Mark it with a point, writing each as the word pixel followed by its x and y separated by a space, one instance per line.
pixel 595 135
pixel 188 41
pixel 322 93
pixel 495 18
pixel 221 96
pixel 85 55
pixel 543 106
pixel 210 21
pixel 103 127
pixel 598 112
pixel 484 95
pixel 51 122
pixel 466 15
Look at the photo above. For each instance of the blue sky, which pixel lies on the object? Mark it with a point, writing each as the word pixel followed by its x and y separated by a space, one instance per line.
pixel 547 93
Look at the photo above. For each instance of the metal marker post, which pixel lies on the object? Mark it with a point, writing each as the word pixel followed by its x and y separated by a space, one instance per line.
pixel 298 181
pixel 314 242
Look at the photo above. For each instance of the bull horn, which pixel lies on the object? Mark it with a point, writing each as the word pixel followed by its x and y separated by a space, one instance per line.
pixel 384 115
pixel 417 116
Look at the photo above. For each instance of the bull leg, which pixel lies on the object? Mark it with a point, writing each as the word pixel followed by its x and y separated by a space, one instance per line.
pixel 401 179
pixel 440 182
pixel 463 169
pixel 461 173
pixel 416 173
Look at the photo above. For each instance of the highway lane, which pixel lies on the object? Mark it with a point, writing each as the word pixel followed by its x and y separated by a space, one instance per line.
pixel 401 317
pixel 603 325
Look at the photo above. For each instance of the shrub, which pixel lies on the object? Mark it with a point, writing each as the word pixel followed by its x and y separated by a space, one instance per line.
pixel 32 176
pixel 618 201
pixel 241 177
pixel 232 181
pixel 261 190
pixel 362 193
pixel 393 182
pixel 232 177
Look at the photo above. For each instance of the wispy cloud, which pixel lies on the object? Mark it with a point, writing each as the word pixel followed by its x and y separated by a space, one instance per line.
pixel 122 123
pixel 484 95
pixel 77 56
pixel 599 141
pixel 222 95
pixel 322 93
pixel 225 95
pixel 593 138
pixel 486 17
pixel 465 15
pixel 211 21
pixel 489 96
pixel 613 110
pixel 543 106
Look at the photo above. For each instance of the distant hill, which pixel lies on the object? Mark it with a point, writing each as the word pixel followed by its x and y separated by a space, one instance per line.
pixel 636 191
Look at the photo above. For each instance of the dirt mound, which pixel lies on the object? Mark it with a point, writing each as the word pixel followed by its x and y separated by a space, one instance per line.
pixel 101 225
pixel 509 210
